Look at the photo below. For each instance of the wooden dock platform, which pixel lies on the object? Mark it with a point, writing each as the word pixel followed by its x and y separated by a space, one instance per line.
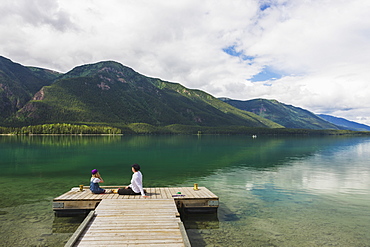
pixel 133 222
pixel 185 198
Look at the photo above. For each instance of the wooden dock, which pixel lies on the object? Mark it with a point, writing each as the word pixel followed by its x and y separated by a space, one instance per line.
pixel 133 222
pixel 186 198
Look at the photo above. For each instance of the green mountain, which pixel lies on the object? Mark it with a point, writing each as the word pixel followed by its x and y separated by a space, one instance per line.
pixel 286 115
pixel 45 74
pixel 108 92
pixel 18 84
pixel 344 123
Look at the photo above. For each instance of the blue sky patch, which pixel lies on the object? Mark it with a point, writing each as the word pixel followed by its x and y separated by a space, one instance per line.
pixel 267 74
pixel 233 52
pixel 264 6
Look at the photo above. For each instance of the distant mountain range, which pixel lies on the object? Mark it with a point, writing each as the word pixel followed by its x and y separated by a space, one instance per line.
pixel 294 117
pixel 344 123
pixel 286 115
pixel 110 93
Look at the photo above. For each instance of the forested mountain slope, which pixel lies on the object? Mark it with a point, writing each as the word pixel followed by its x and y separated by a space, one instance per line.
pixel 344 123
pixel 18 84
pixel 287 115
pixel 108 92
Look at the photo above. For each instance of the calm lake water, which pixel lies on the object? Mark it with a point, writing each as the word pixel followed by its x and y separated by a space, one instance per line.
pixel 274 191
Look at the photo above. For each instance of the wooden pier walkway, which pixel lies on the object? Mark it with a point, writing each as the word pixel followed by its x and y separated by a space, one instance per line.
pixel 188 199
pixel 133 222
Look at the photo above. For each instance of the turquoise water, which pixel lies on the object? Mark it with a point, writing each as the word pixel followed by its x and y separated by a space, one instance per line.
pixel 273 191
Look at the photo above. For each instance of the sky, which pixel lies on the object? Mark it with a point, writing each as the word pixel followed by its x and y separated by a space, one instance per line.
pixel 313 54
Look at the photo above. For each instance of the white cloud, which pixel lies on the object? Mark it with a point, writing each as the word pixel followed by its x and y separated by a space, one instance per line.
pixel 321 47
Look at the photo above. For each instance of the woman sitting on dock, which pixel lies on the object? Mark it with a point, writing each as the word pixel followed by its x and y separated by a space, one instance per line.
pixel 136 186
pixel 94 182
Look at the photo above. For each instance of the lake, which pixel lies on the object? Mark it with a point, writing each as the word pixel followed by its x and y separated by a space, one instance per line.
pixel 274 191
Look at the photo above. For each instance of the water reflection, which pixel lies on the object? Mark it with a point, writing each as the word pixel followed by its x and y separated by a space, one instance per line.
pixel 59 140
pixel 276 191
pixel 164 156
pixel 318 200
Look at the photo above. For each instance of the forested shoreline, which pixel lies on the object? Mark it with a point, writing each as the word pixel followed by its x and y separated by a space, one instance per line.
pixel 143 128
pixel 60 129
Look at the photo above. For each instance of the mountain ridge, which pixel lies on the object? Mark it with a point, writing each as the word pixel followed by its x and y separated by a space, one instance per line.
pixel 18 84
pixel 286 115
pixel 109 92
pixel 350 125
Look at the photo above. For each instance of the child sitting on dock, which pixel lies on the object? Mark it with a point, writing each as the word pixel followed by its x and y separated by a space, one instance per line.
pixel 94 182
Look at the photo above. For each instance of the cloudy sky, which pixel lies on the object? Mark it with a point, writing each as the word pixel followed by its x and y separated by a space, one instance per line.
pixel 313 54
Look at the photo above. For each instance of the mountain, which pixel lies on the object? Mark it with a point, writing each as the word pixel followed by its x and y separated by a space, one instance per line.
pixel 286 115
pixel 108 92
pixel 18 84
pixel 45 74
pixel 345 123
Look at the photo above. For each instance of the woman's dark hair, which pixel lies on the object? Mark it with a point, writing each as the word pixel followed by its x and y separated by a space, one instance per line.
pixel 136 167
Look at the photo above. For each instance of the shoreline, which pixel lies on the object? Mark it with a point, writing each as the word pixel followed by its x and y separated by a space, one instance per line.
pixel 175 129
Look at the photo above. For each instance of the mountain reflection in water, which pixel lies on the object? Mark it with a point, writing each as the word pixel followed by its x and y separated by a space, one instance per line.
pixel 274 191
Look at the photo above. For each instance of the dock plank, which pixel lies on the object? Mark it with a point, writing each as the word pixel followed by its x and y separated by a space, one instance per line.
pixel 166 193
pixel 202 199
pixel 154 193
pixel 134 222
